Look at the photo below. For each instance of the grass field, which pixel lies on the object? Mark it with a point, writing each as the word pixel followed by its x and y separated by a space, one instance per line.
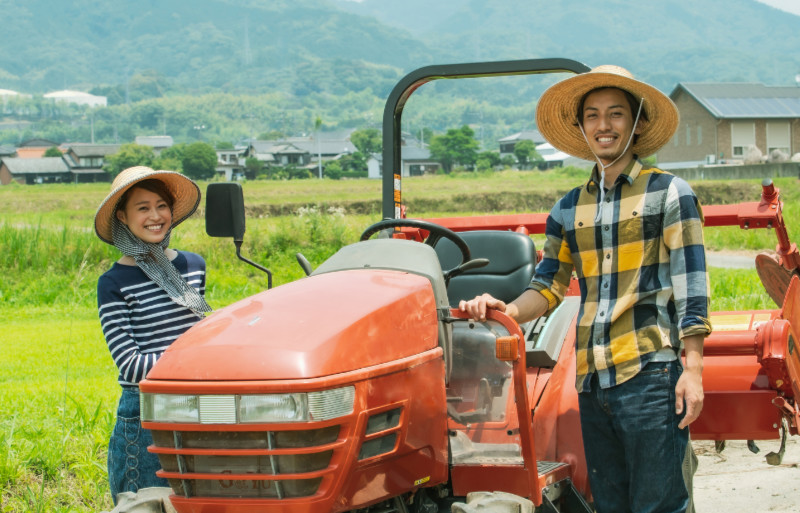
pixel 57 381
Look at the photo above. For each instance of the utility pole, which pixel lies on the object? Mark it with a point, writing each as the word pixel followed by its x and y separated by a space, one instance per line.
pixel 317 125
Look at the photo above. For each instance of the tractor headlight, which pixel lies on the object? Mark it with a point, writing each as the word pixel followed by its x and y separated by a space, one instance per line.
pixel 256 408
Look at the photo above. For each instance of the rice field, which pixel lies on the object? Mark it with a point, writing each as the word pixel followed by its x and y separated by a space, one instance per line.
pixel 58 386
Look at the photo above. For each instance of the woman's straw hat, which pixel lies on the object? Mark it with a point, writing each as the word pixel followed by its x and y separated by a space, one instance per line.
pixel 557 111
pixel 184 191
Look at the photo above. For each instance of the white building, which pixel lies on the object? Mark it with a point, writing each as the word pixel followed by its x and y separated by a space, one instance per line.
pixel 77 97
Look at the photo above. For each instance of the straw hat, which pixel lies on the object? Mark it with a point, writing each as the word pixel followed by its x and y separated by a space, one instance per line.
pixel 556 113
pixel 184 191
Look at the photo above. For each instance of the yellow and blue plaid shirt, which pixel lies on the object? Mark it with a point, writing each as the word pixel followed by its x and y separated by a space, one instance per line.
pixel 640 263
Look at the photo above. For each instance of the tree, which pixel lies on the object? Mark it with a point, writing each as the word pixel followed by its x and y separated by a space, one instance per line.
pixel 253 166
pixel 367 141
pixel 199 161
pixel 52 151
pixel 170 158
pixel 458 146
pixel 525 151
pixel 130 155
pixel 487 160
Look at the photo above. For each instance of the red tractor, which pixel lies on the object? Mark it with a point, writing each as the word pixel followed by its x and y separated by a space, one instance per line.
pixel 359 387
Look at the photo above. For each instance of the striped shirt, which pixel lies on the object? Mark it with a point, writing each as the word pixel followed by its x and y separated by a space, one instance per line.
pixel 641 270
pixel 138 318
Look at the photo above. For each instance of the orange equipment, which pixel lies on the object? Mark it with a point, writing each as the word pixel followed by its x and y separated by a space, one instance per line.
pixel 358 387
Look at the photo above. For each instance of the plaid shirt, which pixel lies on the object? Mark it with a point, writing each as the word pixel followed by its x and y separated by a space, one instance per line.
pixel 641 269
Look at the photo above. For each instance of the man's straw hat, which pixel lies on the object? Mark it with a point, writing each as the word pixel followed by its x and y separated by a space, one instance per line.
pixel 184 191
pixel 557 111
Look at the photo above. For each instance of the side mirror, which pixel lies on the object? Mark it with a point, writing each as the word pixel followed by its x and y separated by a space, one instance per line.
pixel 225 210
pixel 225 218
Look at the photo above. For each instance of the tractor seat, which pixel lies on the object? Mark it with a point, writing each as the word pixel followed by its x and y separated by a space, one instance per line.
pixel 512 260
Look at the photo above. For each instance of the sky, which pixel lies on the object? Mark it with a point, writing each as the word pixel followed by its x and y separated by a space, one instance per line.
pixel 792 6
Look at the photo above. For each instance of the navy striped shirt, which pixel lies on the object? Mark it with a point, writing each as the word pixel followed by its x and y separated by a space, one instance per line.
pixel 139 319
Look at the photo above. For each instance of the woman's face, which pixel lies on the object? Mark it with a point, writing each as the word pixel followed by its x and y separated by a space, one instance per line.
pixel 147 215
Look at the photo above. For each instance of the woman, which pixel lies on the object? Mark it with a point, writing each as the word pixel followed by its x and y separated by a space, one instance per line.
pixel 146 300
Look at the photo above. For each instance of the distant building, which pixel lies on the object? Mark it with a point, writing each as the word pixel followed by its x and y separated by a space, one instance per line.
pixel 719 122
pixel 86 161
pixel 302 152
pixel 157 142
pixel 508 143
pixel 34 170
pixel 230 164
pixel 34 148
pixel 77 97
pixel 555 158
pixel 414 161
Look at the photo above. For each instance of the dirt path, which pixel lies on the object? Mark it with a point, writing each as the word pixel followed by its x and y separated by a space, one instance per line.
pixel 739 481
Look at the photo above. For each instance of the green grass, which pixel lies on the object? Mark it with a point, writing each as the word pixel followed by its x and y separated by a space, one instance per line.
pixel 58 388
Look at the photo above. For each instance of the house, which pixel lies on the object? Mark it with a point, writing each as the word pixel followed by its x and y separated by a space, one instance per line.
pixel 278 153
pixel 230 164
pixel 508 143
pixel 719 122
pixel 86 161
pixel 34 170
pixel 556 158
pixel 77 97
pixel 34 148
pixel 157 142
pixel 414 161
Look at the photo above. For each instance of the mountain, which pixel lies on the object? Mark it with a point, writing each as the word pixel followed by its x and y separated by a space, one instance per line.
pixel 247 67
pixel 663 42
pixel 199 46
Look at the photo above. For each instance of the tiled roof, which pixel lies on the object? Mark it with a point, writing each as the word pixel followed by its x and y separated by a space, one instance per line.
pixel 93 150
pixel 530 135
pixel 744 100
pixel 18 166
pixel 156 141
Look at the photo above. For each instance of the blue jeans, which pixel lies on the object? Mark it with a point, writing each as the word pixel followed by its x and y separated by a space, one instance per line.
pixel 130 466
pixel 634 449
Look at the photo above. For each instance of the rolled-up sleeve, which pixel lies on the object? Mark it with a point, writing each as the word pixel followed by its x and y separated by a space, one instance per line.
pixel 554 271
pixel 683 237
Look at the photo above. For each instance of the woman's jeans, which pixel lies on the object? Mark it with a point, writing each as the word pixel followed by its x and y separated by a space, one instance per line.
pixel 634 449
pixel 130 466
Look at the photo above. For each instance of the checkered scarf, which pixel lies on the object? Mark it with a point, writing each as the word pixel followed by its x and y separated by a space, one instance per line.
pixel 156 265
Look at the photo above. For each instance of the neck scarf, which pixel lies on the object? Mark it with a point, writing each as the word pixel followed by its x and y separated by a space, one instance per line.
pixel 152 259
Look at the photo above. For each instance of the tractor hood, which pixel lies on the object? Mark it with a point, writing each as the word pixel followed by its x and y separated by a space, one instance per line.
pixel 317 326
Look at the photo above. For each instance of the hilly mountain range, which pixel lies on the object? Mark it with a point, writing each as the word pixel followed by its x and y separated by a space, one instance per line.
pixel 261 45
pixel 320 54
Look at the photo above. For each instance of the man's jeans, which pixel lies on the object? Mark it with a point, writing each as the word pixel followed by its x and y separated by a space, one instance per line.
pixel 634 449
pixel 130 466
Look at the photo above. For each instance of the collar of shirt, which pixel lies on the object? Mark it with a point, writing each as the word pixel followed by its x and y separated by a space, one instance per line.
pixel 628 174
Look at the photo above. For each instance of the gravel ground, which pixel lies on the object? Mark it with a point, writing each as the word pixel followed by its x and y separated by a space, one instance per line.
pixel 739 481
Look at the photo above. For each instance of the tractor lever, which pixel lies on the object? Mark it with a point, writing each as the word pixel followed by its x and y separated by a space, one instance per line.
pixel 475 263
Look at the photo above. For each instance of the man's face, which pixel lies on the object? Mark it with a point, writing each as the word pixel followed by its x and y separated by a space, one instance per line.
pixel 608 122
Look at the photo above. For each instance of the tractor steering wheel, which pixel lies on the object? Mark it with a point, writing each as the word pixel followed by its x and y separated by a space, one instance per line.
pixel 435 231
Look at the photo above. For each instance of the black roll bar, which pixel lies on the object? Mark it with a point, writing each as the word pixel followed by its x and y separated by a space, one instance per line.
pixel 393 112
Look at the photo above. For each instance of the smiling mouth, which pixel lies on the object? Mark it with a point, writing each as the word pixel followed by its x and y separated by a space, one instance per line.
pixel 155 227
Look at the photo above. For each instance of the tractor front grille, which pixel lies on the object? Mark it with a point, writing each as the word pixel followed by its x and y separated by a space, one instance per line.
pixel 247 464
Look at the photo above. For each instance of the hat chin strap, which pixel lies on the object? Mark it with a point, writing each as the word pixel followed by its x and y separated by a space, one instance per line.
pixel 604 166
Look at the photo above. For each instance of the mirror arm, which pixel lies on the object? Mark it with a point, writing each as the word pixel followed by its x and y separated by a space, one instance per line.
pixel 238 244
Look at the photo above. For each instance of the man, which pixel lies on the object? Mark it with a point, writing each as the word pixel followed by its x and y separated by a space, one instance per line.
pixel 633 236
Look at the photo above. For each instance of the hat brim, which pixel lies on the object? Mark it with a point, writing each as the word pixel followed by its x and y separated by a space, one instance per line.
pixel 557 111
pixel 185 192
